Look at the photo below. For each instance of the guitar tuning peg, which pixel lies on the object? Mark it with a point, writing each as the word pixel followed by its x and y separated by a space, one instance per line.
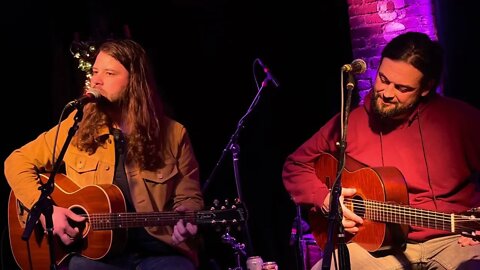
pixel 216 202
pixel 227 202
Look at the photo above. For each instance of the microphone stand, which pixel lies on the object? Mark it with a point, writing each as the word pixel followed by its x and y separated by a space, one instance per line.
pixel 335 215
pixel 234 148
pixel 298 225
pixel 44 205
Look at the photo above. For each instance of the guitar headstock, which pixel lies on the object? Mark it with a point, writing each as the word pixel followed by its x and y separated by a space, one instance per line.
pixel 226 214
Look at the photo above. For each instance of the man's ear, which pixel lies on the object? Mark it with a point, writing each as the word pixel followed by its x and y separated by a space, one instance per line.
pixel 425 92
pixel 427 89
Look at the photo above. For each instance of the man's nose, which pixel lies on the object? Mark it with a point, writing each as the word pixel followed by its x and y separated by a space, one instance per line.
pixel 389 91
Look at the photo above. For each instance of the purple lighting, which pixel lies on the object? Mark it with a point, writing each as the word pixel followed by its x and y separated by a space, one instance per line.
pixel 374 23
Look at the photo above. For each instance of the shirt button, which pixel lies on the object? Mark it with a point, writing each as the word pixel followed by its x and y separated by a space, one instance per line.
pixel 80 164
pixel 107 167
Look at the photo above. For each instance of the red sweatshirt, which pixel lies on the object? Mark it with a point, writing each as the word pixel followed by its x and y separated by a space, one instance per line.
pixel 437 150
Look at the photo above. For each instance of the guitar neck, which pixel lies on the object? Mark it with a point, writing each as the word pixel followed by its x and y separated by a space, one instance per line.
pixel 400 214
pixel 109 221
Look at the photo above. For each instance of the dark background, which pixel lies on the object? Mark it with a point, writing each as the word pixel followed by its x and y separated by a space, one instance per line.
pixel 203 53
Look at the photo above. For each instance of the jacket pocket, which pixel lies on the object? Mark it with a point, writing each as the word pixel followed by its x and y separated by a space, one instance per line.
pixel 161 176
pixel 160 186
pixel 82 169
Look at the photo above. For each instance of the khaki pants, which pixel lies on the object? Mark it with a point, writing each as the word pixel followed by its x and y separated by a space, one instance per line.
pixel 439 253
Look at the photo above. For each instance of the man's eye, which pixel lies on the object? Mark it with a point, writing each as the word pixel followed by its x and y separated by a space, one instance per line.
pixel 403 89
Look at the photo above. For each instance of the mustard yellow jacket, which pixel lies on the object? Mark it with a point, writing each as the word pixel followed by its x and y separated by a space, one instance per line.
pixel 177 183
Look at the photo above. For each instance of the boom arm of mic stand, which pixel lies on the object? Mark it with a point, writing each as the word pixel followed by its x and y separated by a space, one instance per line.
pixel 44 205
pixel 232 142
pixel 227 148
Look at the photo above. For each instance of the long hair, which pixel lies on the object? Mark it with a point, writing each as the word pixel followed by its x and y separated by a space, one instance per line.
pixel 421 52
pixel 140 105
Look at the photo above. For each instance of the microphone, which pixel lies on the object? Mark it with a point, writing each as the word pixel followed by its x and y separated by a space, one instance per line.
pixel 269 76
pixel 91 95
pixel 357 66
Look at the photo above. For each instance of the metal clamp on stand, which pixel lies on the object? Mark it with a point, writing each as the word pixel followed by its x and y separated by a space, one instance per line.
pixel 239 249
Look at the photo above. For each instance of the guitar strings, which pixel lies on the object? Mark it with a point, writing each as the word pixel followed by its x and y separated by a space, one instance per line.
pixel 124 220
pixel 106 221
pixel 401 214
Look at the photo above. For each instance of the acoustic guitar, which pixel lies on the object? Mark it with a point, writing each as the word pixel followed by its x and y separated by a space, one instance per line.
pixel 104 232
pixel 382 201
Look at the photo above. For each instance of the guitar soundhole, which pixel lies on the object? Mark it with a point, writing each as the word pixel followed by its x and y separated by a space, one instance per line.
pixel 82 226
pixel 358 206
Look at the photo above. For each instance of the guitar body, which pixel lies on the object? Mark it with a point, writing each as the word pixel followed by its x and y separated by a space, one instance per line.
pixel 383 184
pixel 34 253
pixel 104 232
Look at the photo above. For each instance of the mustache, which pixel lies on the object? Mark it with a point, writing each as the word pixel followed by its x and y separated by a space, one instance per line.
pixel 390 100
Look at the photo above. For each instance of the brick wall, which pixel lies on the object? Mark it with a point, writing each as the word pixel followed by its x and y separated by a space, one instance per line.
pixel 375 22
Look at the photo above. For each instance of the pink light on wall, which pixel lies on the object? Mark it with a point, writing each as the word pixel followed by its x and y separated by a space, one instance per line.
pixel 373 23
pixel 391 12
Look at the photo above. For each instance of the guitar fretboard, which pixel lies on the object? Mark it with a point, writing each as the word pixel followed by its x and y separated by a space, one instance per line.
pixel 109 221
pixel 400 214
